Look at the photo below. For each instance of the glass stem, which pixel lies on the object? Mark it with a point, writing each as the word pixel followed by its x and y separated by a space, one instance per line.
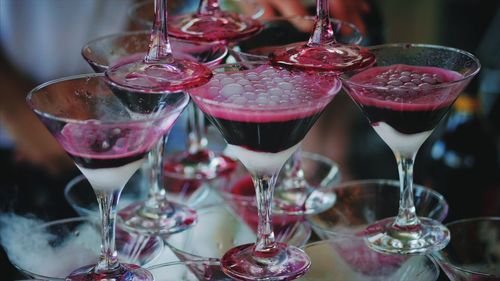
pixel 265 250
pixel 108 200
pixel 157 193
pixel 407 216
pixel 323 31
pixel 196 129
pixel 208 7
pixel 159 44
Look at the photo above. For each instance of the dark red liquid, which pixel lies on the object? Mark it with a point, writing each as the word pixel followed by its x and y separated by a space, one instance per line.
pixel 410 99
pixel 265 137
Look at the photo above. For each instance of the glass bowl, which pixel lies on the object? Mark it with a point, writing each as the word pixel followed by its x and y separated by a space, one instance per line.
pixel 361 203
pixel 350 259
pixel 142 13
pixel 474 250
pixel 320 173
pixel 219 229
pixel 282 31
pixel 50 251
pixel 82 199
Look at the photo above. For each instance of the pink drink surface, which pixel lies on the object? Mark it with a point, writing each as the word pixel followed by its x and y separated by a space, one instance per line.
pixel 265 109
pixel 410 99
pixel 215 26
pixel 93 145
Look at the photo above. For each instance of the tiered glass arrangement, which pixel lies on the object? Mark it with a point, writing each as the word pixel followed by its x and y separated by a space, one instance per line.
pixel 263 113
pixel 108 134
pixel 158 72
pixel 404 96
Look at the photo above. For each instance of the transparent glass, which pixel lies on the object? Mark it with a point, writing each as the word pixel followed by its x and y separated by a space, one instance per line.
pixel 404 96
pixel 362 203
pixel 263 134
pixel 108 135
pixel 322 51
pixel 350 259
pixel 472 253
pixel 219 230
pixel 158 72
pixel 47 251
pixel 208 270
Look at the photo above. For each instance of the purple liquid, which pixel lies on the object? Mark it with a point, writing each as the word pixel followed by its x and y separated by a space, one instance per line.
pixel 95 146
pixel 265 109
pixel 407 98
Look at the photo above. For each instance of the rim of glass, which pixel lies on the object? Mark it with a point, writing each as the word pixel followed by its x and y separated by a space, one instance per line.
pixel 394 183
pixel 206 101
pixel 147 32
pixel 347 80
pixel 134 7
pixel 209 262
pixel 251 199
pixel 69 186
pixel 87 77
pixel 458 268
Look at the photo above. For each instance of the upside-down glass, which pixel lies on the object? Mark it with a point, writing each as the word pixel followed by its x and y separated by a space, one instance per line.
pixel 404 96
pixel 158 72
pixel 322 52
pixel 263 113
pixel 473 252
pixel 108 135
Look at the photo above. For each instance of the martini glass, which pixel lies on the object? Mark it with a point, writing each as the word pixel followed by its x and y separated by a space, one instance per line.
pixel 404 96
pixel 197 162
pixel 322 52
pixel 263 113
pixel 158 72
pixel 108 138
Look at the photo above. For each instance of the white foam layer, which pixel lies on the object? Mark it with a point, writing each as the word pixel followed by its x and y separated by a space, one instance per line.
pixel 111 179
pixel 260 162
pixel 405 144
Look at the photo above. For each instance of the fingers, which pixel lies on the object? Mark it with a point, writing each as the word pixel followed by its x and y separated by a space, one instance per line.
pixel 350 11
pixel 284 8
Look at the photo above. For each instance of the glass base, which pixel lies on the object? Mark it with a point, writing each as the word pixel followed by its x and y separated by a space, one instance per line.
pixel 168 219
pixel 204 164
pixel 327 57
pixel 429 236
pixel 216 26
pixel 125 272
pixel 240 263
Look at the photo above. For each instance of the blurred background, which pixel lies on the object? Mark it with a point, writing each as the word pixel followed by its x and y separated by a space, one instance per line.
pixel 41 40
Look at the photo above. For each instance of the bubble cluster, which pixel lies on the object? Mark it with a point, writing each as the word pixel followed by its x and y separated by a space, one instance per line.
pixel 266 86
pixel 406 79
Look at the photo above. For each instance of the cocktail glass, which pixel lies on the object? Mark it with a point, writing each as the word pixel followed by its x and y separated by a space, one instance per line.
pixel 350 259
pixel 158 72
pixel 276 33
pixel 128 46
pixel 473 251
pixel 322 51
pixel 208 270
pixel 362 203
pixel 404 96
pixel 219 229
pixel 263 113
pixel 108 137
pixel 199 161
pixel 47 250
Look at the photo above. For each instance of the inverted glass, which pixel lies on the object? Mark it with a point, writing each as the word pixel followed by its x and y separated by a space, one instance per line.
pixel 108 135
pixel 404 96
pixel 263 113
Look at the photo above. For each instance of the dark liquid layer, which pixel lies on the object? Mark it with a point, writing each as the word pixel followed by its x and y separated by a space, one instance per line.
pixel 406 122
pixel 274 136
pixel 96 163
